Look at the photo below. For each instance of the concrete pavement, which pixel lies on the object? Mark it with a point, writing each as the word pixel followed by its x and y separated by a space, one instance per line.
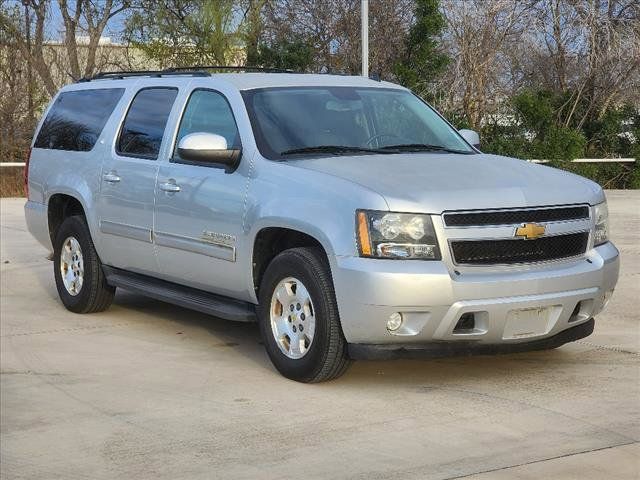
pixel 149 390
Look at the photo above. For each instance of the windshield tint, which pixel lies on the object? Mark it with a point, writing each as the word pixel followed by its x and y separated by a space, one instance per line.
pixel 363 120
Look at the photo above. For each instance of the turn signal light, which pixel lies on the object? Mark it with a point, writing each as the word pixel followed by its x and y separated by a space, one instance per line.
pixel 363 234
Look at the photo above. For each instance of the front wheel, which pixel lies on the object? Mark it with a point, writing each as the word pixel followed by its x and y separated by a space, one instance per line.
pixel 299 318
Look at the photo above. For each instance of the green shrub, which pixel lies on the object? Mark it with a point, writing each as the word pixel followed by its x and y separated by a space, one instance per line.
pixel 534 128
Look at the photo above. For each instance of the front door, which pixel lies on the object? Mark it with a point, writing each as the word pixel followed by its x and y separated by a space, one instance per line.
pixel 128 183
pixel 199 207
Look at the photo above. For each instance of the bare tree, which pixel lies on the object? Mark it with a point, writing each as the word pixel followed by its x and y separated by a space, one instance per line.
pixel 332 27
pixel 477 37
pixel 612 31
pixel 590 50
pixel 87 18
pixel 555 29
pixel 32 50
pixel 21 96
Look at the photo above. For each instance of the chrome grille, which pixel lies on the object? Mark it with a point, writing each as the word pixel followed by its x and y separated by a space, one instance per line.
pixel 509 217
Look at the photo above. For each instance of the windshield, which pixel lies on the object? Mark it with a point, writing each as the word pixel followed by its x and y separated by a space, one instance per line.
pixel 319 121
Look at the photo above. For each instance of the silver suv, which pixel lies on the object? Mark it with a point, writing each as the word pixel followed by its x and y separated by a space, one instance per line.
pixel 343 214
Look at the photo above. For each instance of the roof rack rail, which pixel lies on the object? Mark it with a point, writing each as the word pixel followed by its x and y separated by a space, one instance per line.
pixel 139 73
pixel 232 68
pixel 195 71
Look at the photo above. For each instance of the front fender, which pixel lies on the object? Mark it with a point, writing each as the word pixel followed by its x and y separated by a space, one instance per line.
pixel 314 203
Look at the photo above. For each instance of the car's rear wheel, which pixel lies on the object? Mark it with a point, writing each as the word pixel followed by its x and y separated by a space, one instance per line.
pixel 299 318
pixel 81 284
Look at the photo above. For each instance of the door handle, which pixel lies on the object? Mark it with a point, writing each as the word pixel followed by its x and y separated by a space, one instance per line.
pixel 111 177
pixel 170 187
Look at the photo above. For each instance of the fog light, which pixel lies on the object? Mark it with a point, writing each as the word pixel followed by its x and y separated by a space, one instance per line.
pixel 394 322
pixel 466 324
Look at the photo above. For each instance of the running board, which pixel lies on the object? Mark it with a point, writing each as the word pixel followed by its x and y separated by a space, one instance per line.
pixel 205 302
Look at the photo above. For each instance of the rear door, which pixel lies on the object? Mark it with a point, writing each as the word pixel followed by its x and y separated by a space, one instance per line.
pixel 199 207
pixel 128 182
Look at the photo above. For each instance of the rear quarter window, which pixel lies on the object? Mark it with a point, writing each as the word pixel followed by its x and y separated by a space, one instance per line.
pixel 76 119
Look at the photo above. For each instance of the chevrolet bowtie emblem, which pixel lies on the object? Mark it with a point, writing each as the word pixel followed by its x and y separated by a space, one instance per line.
pixel 530 231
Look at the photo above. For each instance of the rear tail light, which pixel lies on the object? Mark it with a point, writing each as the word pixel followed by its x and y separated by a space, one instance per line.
pixel 26 173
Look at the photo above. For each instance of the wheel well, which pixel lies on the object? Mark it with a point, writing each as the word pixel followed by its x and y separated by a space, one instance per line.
pixel 274 240
pixel 60 207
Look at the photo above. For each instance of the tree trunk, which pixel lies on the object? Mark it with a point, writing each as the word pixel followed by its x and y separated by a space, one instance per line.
pixel 70 42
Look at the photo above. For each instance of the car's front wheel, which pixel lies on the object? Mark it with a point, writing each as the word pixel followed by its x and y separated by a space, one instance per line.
pixel 299 318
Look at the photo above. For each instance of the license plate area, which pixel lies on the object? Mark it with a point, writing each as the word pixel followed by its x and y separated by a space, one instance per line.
pixel 529 322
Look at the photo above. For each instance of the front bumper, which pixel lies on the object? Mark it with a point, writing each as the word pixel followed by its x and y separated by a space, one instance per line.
pixel 432 298
pixel 363 351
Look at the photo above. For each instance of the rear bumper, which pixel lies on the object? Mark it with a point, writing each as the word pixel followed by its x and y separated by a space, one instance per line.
pixel 432 298
pixel 37 220
pixel 361 351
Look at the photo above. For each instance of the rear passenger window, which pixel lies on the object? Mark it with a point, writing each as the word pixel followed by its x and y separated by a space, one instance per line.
pixel 76 119
pixel 144 125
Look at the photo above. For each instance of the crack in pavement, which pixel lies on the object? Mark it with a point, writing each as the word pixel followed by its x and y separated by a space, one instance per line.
pixel 608 347
pixel 13 228
pixel 531 405
pixel 533 462
pixel 29 372
pixel 64 330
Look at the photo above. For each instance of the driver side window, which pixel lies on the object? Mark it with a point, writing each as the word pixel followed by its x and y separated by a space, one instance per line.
pixel 208 112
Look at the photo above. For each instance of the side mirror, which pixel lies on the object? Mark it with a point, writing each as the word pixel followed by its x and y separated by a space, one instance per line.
pixel 208 148
pixel 471 137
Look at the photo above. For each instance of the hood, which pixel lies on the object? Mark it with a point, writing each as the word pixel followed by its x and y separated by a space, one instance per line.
pixel 435 182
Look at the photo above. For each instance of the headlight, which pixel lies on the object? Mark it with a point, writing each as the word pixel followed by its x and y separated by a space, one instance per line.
pixel 602 224
pixel 396 235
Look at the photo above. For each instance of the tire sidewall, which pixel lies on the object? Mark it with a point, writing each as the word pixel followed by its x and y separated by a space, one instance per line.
pixel 75 227
pixel 283 266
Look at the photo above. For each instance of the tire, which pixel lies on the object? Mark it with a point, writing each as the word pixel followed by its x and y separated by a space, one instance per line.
pixel 92 293
pixel 326 356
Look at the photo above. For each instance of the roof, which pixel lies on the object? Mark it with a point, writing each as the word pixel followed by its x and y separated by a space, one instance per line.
pixel 244 81
pixel 248 81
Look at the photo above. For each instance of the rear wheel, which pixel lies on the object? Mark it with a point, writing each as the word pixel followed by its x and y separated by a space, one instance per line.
pixel 299 319
pixel 81 284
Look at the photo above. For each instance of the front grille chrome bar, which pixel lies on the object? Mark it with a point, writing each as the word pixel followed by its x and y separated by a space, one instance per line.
pixel 480 218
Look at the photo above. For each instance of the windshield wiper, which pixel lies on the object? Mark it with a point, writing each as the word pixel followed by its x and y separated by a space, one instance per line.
pixel 421 147
pixel 334 149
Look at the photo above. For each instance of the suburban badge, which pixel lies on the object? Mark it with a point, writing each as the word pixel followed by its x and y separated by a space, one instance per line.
pixel 218 238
